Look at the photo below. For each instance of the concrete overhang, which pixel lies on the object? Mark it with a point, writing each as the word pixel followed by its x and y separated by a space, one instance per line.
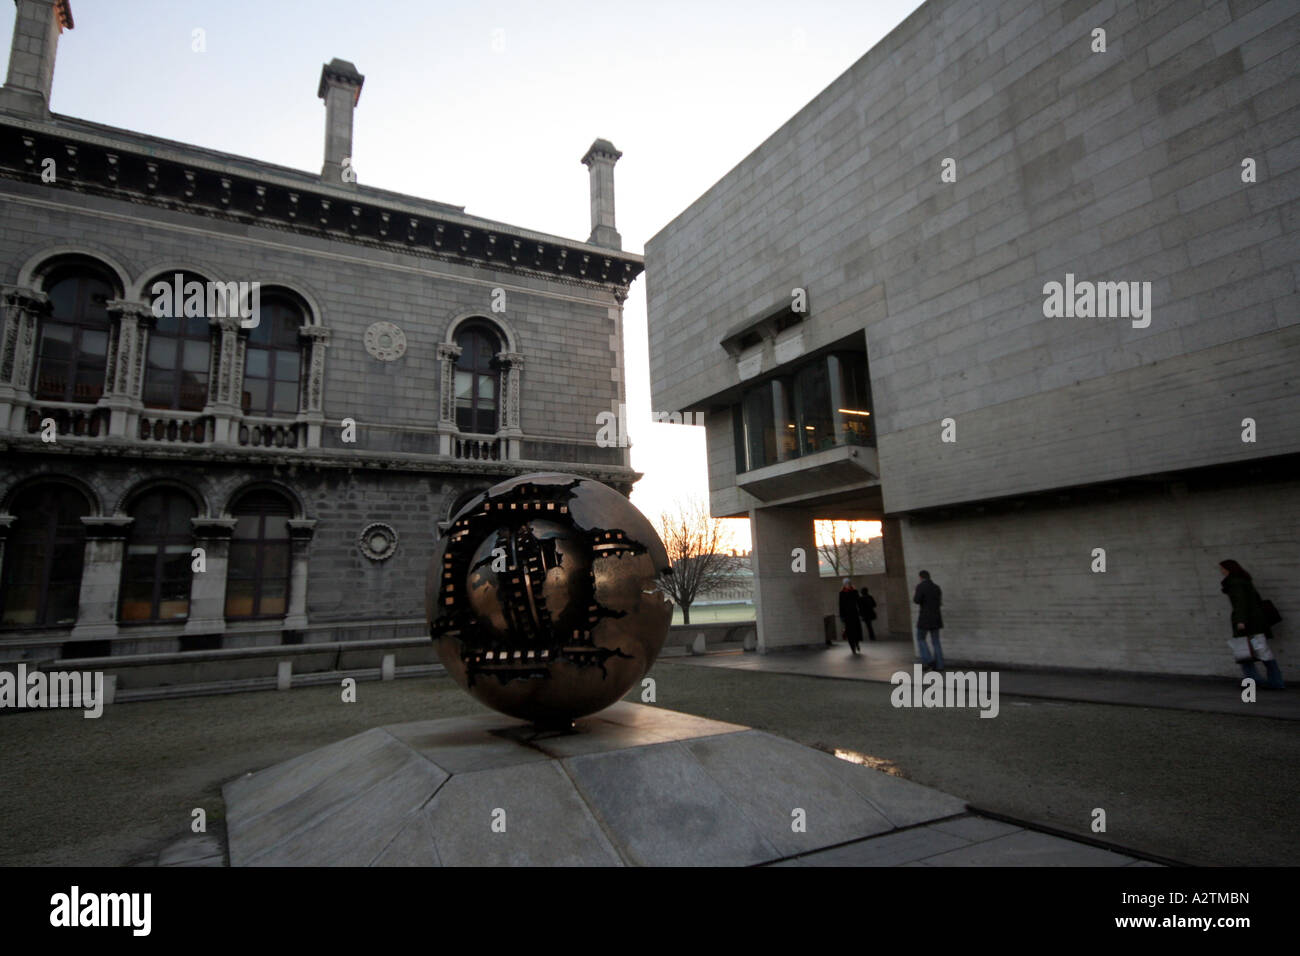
pixel 829 471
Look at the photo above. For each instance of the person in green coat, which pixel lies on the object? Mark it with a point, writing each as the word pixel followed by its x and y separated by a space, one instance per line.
pixel 1248 618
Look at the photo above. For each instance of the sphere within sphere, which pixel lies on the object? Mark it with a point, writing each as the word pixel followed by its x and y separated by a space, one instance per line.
pixel 543 597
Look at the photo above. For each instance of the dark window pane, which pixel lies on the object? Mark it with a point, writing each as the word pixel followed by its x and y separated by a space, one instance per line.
pixel 255 396
pixel 286 398
pixel 286 366
pixel 256 363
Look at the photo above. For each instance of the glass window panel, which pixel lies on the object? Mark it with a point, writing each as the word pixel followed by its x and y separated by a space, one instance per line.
pixel 464 384
pixel 275 562
pixel 162 353
pixel 53 334
pixel 94 342
pixel 52 380
pixel 195 357
pixel 487 389
pixel 63 298
pixel 256 363
pixel 166 325
pixel 255 396
pixel 246 526
pixel 194 392
pixel 197 327
pixel 286 397
pixel 286 366
pixel 89 384
pixel 158 388
pixel 272 605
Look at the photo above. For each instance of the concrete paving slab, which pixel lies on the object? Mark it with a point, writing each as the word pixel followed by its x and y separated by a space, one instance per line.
pixel 901 802
pixel 465 747
pixel 1029 848
pixel 663 809
pixel 412 846
pixel 359 830
pixel 256 793
pixel 771 778
pixel 545 821
pixel 298 806
pixel 892 849
pixel 974 829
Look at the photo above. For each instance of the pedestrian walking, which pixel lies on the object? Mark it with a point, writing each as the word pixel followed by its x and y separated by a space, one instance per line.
pixel 929 621
pixel 1252 622
pixel 867 608
pixel 849 615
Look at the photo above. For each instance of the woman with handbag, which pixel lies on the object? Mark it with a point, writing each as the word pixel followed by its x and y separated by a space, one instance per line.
pixel 1251 627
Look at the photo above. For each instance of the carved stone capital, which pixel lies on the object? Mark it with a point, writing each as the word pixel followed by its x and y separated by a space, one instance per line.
pixel 213 527
pixel 301 529
pixel 125 309
pixel 28 300
pixel 448 351
pixel 510 359
pixel 315 333
pixel 107 527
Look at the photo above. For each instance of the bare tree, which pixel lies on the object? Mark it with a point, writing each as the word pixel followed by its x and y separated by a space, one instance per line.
pixel 843 551
pixel 694 541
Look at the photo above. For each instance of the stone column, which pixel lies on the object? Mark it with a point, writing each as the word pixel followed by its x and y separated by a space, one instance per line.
pixel 316 340
pixel 101 576
pixel 511 365
pixel 128 345
pixel 301 531
pixel 208 589
pixel 898 586
pixel 836 374
pixel 448 353
pixel 22 312
pixel 780 421
pixel 226 381
pixel 788 603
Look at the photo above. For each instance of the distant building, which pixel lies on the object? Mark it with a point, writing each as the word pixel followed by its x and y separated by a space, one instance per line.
pixel 202 478
pixel 1032 305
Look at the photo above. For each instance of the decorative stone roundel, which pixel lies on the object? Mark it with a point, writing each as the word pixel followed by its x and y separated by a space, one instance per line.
pixel 385 341
pixel 378 542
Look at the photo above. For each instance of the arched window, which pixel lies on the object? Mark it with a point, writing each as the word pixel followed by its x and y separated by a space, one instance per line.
pixel 257 575
pixel 180 350
pixel 71 357
pixel 476 379
pixel 41 581
pixel 156 572
pixel 273 361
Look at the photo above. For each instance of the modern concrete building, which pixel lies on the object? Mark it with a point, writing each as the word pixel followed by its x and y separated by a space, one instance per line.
pixel 206 474
pixel 871 309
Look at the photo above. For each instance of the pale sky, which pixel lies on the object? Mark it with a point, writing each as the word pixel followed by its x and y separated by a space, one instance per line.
pixel 489 105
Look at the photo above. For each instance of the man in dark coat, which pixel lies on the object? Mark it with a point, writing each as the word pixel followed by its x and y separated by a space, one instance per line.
pixel 928 621
pixel 849 615
pixel 867 608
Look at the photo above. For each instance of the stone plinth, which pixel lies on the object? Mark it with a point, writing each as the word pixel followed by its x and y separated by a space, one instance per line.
pixel 634 785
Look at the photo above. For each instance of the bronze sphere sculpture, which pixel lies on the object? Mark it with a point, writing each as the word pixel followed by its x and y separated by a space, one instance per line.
pixel 543 597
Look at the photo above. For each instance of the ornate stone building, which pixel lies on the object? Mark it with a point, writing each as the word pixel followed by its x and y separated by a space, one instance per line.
pixel 266 456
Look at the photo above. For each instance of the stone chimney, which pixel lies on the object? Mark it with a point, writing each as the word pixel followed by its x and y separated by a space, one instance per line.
pixel 600 159
pixel 31 56
pixel 340 88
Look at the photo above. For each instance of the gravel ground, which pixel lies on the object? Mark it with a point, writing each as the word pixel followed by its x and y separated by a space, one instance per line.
pixel 1200 788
